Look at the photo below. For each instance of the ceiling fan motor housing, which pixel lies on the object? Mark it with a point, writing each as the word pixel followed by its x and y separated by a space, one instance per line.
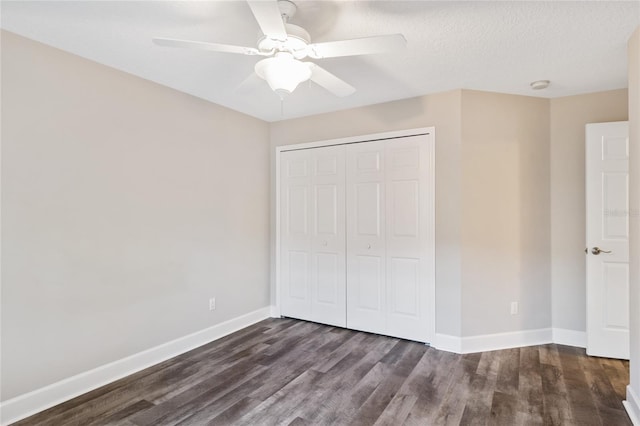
pixel 297 40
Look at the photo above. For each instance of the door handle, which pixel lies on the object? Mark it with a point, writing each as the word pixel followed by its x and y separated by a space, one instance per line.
pixel 597 251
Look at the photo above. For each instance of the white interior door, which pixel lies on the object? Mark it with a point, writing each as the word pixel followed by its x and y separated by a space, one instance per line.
pixel 390 257
pixel 312 237
pixel 607 179
pixel 409 237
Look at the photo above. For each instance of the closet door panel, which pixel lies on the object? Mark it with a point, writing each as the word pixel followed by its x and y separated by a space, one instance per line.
pixel 369 288
pixel 404 198
pixel 368 209
pixel 327 280
pixel 406 181
pixel 366 290
pixel 298 272
pixel 296 236
pixel 403 286
pixel 328 298
pixel 298 200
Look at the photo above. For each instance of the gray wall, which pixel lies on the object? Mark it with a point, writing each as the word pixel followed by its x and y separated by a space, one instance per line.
pixel 477 135
pixel 568 117
pixel 505 213
pixel 125 206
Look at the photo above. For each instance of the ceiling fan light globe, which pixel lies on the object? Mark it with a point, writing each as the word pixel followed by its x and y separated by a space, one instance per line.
pixel 282 72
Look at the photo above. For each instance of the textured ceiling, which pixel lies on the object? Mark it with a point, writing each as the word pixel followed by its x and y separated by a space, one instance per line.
pixel 493 46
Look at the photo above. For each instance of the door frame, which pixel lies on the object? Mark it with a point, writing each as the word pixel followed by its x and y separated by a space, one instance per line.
pixel 421 131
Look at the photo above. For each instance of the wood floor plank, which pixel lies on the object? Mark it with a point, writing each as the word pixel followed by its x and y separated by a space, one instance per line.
pixel 259 388
pixel 195 398
pixel 378 401
pixel 90 401
pixel 290 372
pixel 454 401
pixel 208 371
pixel 509 373
pixel 599 384
pixel 283 371
pixel 434 374
pixel 530 409
pixel 95 408
pixel 299 422
pixel 345 410
pixel 201 395
pixel 504 409
pixel 488 364
pixel 282 404
pixel 121 415
pixel 606 399
pixel 482 387
pixel 549 355
pixel 617 375
pixel 397 411
pixel 232 413
pixel 459 391
pixel 337 385
pixel 555 398
pixel 583 408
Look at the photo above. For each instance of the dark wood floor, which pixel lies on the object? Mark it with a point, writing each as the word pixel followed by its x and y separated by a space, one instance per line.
pixel 288 372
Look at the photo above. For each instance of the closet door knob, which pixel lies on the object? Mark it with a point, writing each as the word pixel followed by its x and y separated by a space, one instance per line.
pixel 324 243
pixel 368 246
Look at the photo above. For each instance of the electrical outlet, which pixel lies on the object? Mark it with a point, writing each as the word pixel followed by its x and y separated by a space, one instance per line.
pixel 212 304
pixel 514 308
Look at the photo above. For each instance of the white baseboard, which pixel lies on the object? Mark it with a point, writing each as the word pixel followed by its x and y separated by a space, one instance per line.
pixel 274 312
pixel 562 336
pixel 632 405
pixel 448 343
pixel 514 339
pixel 38 400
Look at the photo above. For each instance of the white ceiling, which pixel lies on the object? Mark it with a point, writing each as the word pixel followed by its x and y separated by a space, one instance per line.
pixel 484 45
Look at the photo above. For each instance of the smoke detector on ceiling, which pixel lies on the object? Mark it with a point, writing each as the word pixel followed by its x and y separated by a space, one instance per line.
pixel 540 84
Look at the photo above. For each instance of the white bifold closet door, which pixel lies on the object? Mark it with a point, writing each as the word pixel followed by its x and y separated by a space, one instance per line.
pixel 357 236
pixel 389 198
pixel 312 223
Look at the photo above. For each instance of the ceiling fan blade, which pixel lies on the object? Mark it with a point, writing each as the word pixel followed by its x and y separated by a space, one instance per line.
pixel 267 13
pixel 329 81
pixel 202 45
pixel 357 46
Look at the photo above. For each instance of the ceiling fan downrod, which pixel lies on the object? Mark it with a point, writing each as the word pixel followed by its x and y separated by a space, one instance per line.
pixel 287 10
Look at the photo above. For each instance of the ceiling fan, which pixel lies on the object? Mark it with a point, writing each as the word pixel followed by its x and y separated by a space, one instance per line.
pixel 285 46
